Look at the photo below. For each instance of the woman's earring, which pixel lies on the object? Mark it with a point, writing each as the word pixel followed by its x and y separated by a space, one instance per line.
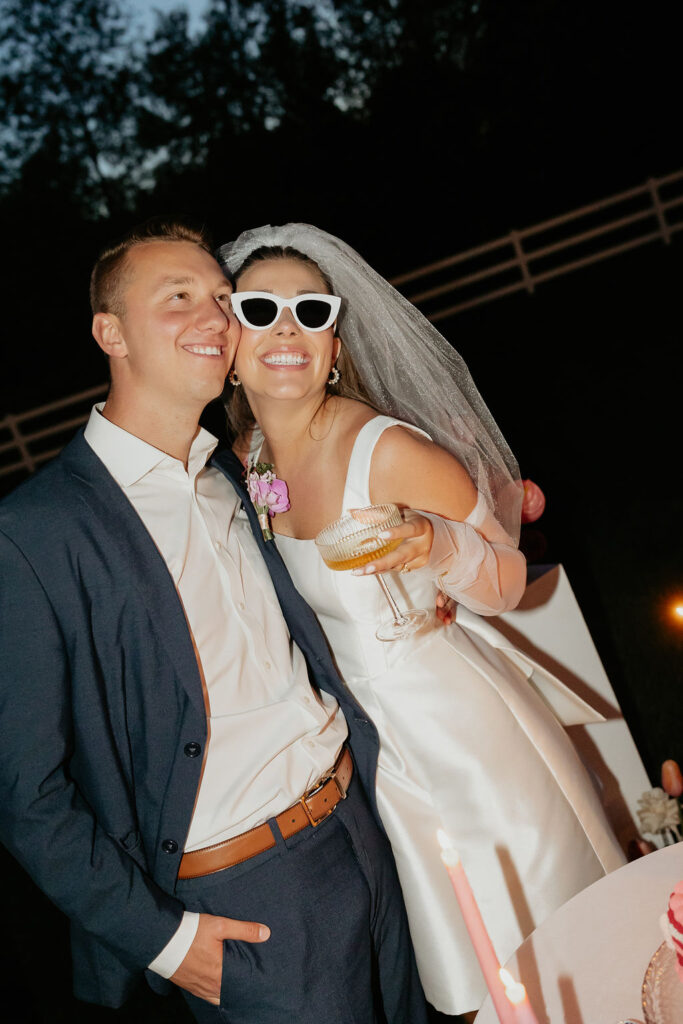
pixel 234 379
pixel 335 376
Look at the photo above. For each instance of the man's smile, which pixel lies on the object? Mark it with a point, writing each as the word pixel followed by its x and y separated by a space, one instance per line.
pixel 205 350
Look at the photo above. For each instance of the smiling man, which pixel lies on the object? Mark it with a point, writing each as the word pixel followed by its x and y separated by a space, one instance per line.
pixel 183 772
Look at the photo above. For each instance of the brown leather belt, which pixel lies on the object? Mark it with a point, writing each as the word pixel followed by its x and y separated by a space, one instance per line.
pixel 314 806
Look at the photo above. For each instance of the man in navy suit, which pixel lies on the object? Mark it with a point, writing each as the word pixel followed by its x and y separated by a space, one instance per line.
pixel 183 772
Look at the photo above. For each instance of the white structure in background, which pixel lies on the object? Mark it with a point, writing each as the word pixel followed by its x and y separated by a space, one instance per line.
pixel 549 627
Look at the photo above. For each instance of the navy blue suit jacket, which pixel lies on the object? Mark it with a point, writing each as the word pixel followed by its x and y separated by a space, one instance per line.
pixel 99 697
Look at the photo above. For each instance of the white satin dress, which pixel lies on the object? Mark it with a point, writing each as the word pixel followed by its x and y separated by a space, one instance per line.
pixel 467 744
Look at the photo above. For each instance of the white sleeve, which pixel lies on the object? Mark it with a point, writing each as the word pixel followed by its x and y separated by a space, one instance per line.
pixel 174 952
pixel 476 562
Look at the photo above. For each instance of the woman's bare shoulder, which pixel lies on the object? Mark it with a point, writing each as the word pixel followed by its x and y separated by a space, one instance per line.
pixel 420 474
pixel 398 440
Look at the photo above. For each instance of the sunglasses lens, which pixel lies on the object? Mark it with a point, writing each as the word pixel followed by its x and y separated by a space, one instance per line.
pixel 260 312
pixel 313 313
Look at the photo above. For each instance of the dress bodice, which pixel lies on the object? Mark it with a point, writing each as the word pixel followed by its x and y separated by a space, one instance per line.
pixel 350 608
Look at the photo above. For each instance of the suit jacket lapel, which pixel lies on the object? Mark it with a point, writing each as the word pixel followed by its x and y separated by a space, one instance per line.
pixel 131 547
pixel 302 623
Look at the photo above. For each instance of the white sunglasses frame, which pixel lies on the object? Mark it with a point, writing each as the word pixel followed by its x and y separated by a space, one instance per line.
pixel 282 303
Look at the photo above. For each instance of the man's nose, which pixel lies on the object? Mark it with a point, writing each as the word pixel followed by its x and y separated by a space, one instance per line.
pixel 212 317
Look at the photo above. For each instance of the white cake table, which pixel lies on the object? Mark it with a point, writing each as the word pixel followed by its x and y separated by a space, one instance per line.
pixel 585 964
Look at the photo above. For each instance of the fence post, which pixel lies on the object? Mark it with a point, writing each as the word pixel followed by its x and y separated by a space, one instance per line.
pixel 521 258
pixel 20 443
pixel 656 202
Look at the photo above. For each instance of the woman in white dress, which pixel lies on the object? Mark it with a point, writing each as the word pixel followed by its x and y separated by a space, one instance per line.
pixel 467 742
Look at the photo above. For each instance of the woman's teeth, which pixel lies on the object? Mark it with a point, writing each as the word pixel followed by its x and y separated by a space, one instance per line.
pixel 285 359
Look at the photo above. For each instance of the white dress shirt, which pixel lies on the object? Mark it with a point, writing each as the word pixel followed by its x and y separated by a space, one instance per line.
pixel 271 735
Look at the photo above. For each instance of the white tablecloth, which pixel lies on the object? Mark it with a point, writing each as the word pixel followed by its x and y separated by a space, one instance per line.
pixel 585 964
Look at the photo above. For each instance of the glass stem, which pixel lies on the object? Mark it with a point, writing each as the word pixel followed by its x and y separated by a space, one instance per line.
pixel 399 617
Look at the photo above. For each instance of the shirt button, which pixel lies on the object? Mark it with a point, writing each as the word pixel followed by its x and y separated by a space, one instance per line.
pixel 241 606
pixel 267 666
pixel 169 846
pixel 217 545
pixel 192 749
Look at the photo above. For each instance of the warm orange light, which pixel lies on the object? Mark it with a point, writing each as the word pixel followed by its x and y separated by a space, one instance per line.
pixel 676 611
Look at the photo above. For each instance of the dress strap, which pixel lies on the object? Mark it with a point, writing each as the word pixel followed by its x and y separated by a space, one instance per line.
pixel 357 487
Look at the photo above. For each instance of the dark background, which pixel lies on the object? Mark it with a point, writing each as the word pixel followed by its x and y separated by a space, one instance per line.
pixel 413 130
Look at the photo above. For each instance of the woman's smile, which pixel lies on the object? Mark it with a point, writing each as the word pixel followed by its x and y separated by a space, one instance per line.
pixel 286 358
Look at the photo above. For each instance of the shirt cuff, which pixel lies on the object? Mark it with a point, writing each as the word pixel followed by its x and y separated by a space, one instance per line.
pixel 174 952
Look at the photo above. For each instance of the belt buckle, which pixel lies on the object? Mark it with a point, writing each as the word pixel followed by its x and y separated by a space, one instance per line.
pixel 331 774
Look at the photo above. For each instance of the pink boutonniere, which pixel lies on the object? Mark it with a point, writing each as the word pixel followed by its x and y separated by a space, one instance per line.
pixel 269 495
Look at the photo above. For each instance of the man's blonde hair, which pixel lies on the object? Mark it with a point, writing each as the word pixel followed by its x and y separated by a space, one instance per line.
pixel 108 278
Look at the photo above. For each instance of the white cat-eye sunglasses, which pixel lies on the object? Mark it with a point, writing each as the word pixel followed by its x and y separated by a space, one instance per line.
pixel 260 310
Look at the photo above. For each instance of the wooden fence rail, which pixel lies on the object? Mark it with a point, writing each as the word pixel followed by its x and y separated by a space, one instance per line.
pixel 521 260
pixel 518 261
pixel 32 437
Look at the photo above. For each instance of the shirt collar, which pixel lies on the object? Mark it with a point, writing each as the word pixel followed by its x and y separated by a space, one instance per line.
pixel 128 458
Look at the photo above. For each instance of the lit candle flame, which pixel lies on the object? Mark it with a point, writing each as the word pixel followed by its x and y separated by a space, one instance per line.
pixel 678 611
pixel 514 990
pixel 449 855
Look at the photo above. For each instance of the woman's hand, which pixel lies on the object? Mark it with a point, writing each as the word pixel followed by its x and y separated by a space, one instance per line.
pixel 445 608
pixel 416 535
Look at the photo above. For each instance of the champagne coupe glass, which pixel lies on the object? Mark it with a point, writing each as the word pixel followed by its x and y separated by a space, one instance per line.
pixel 352 541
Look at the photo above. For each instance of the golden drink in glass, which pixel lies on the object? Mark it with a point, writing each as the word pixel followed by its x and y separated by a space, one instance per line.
pixel 352 541
pixel 358 556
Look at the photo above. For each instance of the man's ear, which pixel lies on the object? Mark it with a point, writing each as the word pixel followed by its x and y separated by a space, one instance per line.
pixel 108 333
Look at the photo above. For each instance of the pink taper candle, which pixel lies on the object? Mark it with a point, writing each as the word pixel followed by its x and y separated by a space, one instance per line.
pixel 516 994
pixel 476 929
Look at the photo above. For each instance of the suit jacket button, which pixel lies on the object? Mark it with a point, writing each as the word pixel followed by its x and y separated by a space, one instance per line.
pixel 192 750
pixel 169 846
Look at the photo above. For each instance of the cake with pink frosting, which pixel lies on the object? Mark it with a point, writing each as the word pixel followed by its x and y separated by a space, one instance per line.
pixel 672 926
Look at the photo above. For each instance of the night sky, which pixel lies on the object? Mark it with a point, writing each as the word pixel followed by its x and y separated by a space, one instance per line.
pixel 145 11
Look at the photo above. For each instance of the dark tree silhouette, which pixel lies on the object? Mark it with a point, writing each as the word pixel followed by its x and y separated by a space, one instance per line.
pixel 66 91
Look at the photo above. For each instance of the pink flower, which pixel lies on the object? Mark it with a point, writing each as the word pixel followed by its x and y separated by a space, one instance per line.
pixel 533 502
pixel 268 494
pixel 277 498
pixel 259 490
